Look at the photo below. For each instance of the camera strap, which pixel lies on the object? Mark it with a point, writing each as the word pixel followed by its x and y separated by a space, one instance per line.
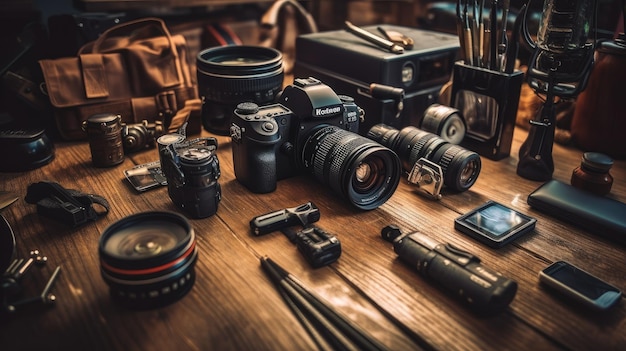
pixel 69 206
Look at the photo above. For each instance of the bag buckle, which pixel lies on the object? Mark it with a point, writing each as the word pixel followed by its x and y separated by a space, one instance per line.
pixel 166 104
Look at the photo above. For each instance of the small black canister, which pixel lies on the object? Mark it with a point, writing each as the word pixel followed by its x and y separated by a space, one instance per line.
pixel 104 132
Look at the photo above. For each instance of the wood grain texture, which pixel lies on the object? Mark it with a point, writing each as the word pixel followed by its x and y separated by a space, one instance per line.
pixel 234 306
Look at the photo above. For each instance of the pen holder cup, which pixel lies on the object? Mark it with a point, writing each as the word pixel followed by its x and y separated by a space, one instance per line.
pixel 488 101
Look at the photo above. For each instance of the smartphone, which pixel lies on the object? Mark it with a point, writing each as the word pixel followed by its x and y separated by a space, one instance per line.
pixel 494 224
pixel 146 176
pixel 580 285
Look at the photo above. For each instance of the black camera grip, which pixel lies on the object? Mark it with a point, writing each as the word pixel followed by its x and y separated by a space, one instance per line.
pixel 303 215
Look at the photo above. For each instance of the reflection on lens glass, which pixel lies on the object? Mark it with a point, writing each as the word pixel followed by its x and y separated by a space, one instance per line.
pixel 134 241
pixel 460 166
pixel 239 60
pixel 369 175
pixel 363 173
pixel 469 172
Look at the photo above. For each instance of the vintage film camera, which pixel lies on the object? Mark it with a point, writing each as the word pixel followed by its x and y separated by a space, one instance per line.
pixel 139 136
pixel 312 130
pixel 350 65
pixel 192 170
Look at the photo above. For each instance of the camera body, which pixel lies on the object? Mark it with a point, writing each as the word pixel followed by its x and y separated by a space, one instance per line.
pixel 192 171
pixel 268 141
pixel 139 136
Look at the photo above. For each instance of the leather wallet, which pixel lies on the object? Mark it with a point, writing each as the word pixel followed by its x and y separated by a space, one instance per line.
pixel 600 215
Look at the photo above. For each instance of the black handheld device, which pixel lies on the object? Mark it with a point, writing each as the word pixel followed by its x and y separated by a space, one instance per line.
pixel 483 290
pixel 303 215
pixel 580 285
pixel 318 247
pixel 494 224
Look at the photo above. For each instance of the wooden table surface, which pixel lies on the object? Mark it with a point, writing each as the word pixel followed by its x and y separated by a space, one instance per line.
pixel 234 305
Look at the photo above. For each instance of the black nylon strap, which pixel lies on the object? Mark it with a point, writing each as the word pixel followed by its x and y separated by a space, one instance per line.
pixel 69 206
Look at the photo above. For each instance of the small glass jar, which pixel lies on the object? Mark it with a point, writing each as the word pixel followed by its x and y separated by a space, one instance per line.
pixel 593 173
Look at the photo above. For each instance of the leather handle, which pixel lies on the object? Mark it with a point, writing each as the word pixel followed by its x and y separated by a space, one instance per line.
pixel 129 27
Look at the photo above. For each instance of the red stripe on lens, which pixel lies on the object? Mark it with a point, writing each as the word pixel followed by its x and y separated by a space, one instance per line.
pixel 149 270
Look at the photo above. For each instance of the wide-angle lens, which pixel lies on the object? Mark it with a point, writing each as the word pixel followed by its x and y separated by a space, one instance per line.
pixel 228 75
pixel 148 259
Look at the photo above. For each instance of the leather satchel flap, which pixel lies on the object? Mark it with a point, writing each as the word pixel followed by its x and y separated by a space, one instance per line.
pixel 67 85
pixel 94 76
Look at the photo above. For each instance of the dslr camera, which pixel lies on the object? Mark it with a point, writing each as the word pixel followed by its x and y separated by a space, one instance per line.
pixel 312 130
pixel 192 170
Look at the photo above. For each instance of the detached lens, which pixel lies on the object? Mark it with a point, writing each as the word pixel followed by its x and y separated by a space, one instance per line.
pixel 228 75
pixel 148 259
pixel 460 166
pixel 364 172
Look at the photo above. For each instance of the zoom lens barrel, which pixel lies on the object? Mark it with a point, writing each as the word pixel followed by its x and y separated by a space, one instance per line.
pixel 460 166
pixel 364 172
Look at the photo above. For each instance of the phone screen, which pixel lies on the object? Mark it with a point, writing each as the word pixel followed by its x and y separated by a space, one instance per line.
pixel 584 286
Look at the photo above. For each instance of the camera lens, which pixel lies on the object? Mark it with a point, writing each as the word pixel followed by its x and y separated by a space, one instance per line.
pixel 198 167
pixel 424 147
pixel 148 259
pixel 104 131
pixel 460 166
pixel 445 121
pixel 363 171
pixel 385 135
pixel 228 75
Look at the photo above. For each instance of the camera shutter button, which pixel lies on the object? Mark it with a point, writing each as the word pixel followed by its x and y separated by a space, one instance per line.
pixel 247 108
pixel 268 126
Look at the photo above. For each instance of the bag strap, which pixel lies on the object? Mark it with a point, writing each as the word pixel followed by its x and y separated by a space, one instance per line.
pixel 281 24
pixel 124 34
pixel 66 205
pixel 94 76
pixel 127 29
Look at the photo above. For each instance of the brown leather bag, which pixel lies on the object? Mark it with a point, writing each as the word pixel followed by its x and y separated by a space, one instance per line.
pixel 280 26
pixel 136 69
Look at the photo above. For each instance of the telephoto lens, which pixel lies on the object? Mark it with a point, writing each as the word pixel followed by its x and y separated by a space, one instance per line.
pixel 228 75
pixel 460 167
pixel 364 172
pixel 148 259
